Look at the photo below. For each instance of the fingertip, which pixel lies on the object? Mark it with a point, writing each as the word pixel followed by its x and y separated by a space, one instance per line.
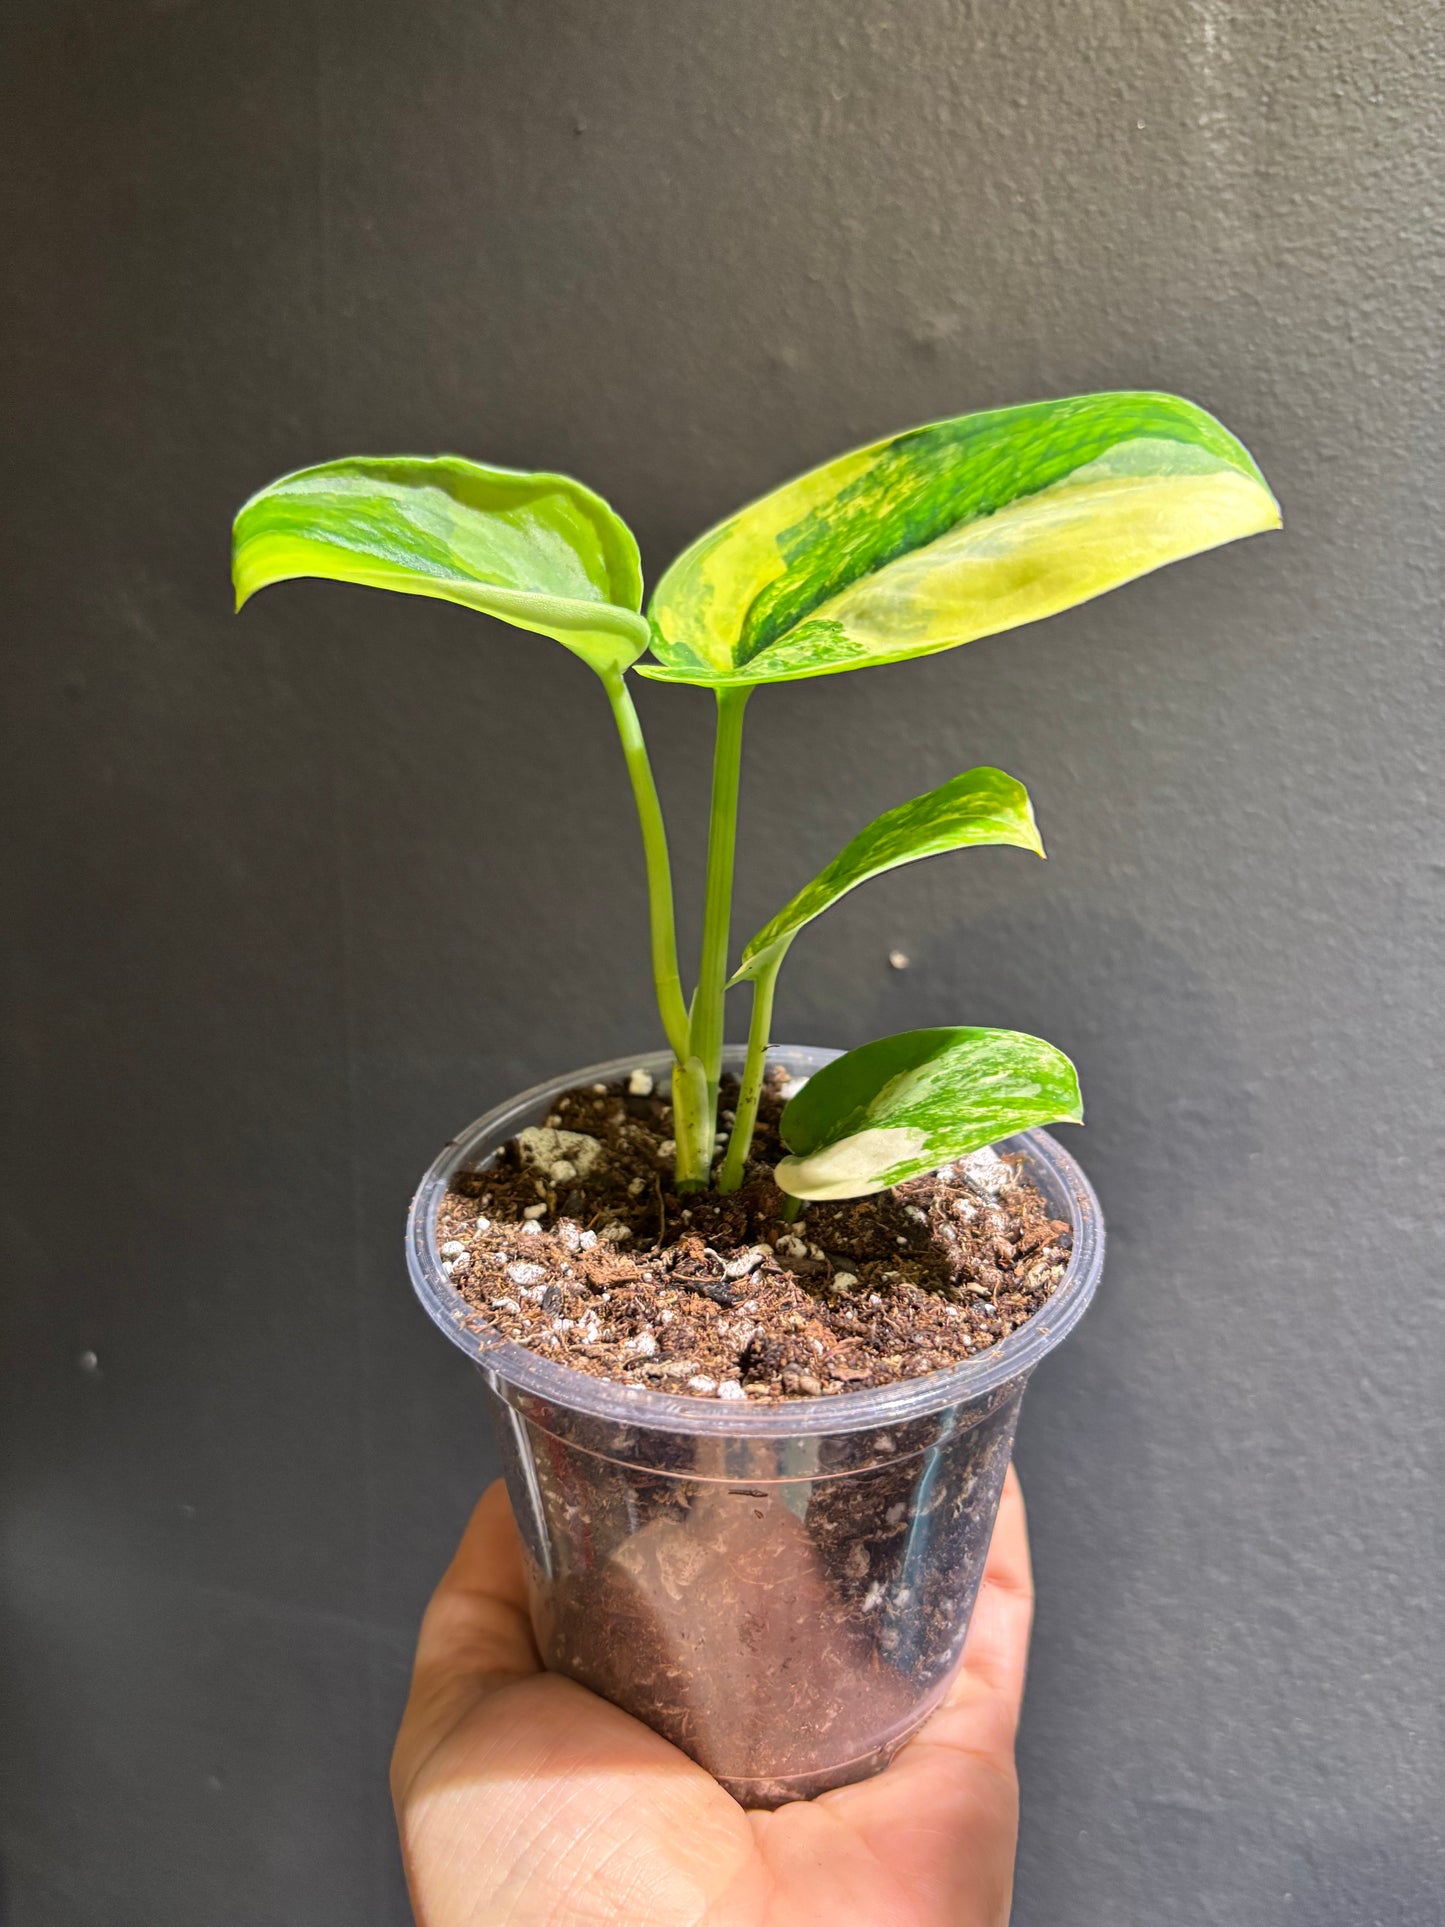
pixel 1013 1491
pixel 488 1557
pixel 477 1621
pixel 475 1634
pixel 1008 1563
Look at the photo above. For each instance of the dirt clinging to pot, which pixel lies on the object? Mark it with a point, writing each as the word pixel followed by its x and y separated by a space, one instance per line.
pixel 573 1243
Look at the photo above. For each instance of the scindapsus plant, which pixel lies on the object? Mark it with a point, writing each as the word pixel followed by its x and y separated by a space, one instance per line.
pixel 755 1472
pixel 918 543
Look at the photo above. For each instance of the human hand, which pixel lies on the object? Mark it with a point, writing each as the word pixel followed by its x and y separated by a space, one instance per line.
pixel 523 1800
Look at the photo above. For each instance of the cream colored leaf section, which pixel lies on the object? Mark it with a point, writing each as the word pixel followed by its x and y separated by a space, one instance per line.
pixel 854 1166
pixel 1031 560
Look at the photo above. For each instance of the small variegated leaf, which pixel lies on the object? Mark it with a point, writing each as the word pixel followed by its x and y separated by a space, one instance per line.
pixel 539 551
pixel 905 1105
pixel 981 806
pixel 953 531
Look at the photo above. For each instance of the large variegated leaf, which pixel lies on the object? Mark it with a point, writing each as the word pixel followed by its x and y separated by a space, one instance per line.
pixel 981 806
pixel 539 551
pixel 905 1105
pixel 951 532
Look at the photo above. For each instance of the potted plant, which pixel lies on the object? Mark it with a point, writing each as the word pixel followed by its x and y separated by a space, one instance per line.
pixel 756 1321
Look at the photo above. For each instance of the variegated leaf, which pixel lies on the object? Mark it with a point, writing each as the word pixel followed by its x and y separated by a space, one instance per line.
pixel 539 551
pixel 950 532
pixel 905 1105
pixel 981 806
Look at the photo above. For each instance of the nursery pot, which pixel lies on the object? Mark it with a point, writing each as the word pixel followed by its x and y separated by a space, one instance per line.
pixel 780 1589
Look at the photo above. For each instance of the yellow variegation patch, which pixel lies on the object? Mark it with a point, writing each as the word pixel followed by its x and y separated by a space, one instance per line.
pixel 1028 561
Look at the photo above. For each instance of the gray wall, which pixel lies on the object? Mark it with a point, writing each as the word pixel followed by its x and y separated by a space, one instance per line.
pixel 287 899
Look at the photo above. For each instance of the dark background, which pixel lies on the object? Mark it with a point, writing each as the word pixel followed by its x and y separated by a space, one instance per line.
pixel 289 898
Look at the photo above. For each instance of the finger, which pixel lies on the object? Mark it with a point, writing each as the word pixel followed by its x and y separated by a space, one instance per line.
pixel 476 1635
pixel 978 1716
pixel 488 1557
pixel 995 1654
pixel 947 1808
pixel 980 1711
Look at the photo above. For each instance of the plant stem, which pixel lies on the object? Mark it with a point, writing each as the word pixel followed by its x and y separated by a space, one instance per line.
pixel 707 1017
pixel 665 976
pixel 792 1210
pixel 693 1157
pixel 746 1118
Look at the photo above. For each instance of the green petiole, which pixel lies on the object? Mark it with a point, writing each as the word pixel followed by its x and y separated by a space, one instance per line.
pixel 706 1035
pixel 745 1121
pixel 666 978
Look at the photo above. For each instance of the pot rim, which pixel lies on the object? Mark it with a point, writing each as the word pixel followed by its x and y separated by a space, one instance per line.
pixel 524 1371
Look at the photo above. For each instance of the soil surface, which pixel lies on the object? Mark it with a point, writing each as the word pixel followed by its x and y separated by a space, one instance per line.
pixel 573 1243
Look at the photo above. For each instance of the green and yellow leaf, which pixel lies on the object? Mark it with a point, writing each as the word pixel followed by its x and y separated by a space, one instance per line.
pixel 539 551
pixel 953 531
pixel 905 1105
pixel 981 806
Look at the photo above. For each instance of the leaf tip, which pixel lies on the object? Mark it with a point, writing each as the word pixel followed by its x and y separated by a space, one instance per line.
pixel 244 582
pixel 1273 513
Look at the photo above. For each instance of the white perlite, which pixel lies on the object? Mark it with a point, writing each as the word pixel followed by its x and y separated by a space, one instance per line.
pixel 730 1389
pixel 745 1263
pixel 640 1083
pixel 521 1273
pixel 541 1148
pixel 986 1172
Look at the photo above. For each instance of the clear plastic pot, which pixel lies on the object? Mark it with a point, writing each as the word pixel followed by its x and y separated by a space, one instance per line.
pixel 780 1589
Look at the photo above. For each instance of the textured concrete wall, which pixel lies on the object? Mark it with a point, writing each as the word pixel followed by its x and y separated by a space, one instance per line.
pixel 286 900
